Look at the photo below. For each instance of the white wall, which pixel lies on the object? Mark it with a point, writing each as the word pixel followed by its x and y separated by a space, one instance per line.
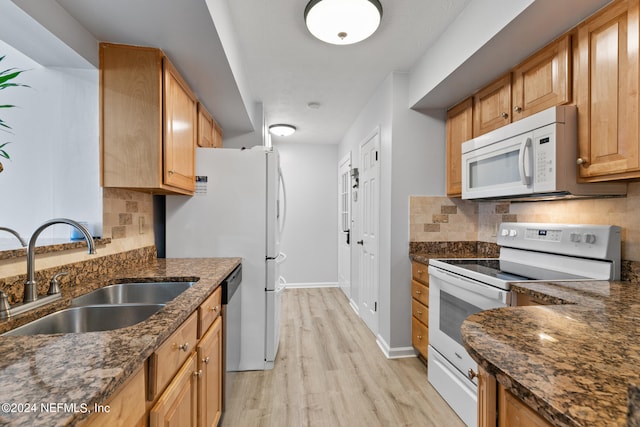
pixel 412 162
pixel 54 149
pixel 310 238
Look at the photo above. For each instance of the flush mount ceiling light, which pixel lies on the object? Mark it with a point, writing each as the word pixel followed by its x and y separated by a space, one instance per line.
pixel 282 130
pixel 342 21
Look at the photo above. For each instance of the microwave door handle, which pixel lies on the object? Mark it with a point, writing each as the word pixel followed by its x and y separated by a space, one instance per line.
pixel 526 180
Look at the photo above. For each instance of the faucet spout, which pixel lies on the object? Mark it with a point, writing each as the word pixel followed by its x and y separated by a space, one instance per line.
pixel 30 285
pixel 15 233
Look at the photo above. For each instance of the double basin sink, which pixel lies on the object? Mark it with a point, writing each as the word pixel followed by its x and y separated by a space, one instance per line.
pixel 108 308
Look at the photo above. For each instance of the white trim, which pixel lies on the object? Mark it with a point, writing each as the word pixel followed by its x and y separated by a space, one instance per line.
pixel 354 307
pixel 394 353
pixel 312 285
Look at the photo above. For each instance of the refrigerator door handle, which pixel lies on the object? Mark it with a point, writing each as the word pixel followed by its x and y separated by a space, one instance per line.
pixel 284 202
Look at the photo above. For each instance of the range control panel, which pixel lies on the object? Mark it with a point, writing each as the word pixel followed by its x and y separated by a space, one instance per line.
pixel 584 240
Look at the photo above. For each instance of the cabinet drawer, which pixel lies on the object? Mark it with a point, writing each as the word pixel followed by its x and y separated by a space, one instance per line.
pixel 209 311
pixel 166 360
pixel 419 336
pixel 420 272
pixel 420 292
pixel 420 311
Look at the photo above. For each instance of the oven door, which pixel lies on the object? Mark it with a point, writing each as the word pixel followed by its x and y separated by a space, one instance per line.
pixel 453 298
pixel 498 169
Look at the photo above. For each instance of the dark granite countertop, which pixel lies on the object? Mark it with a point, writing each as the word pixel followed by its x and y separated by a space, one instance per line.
pixel 574 362
pixel 85 369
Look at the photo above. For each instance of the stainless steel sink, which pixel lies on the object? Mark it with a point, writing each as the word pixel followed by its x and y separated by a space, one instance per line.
pixel 143 293
pixel 93 318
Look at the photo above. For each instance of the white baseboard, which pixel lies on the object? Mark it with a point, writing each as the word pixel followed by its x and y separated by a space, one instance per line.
pixel 354 307
pixel 312 285
pixel 394 353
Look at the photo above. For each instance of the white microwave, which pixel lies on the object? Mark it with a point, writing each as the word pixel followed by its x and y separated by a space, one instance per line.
pixel 534 157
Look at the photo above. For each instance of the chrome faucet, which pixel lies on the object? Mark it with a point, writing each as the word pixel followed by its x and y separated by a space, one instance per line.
pixel 30 286
pixel 15 233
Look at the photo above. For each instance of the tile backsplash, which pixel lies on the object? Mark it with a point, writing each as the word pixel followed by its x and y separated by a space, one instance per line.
pixel 437 218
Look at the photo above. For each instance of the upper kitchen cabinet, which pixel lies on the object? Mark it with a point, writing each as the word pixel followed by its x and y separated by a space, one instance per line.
pixel 209 133
pixel 607 93
pixel 543 80
pixel 459 130
pixel 492 105
pixel 148 122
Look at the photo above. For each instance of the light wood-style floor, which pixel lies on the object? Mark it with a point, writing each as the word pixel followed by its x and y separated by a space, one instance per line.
pixel 330 372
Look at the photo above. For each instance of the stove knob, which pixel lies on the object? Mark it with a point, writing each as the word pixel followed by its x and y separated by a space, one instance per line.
pixel 504 232
pixel 575 237
pixel 590 238
pixel 513 233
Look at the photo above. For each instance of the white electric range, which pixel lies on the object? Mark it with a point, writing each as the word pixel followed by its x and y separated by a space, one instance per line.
pixel 460 287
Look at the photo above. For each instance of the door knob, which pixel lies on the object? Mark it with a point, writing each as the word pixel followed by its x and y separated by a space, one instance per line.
pixel 360 242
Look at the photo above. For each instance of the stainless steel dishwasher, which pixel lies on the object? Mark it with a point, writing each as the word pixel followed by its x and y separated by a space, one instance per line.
pixel 231 322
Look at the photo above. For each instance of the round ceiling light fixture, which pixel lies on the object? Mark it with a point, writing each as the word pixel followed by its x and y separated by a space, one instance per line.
pixel 342 21
pixel 282 130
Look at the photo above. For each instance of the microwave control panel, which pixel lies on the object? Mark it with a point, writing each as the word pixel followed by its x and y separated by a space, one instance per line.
pixel 544 158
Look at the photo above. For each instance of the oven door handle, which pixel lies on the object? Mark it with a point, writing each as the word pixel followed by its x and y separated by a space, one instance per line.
pixel 470 285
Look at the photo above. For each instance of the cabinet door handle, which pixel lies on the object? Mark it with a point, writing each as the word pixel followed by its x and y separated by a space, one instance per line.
pixel 581 161
pixel 504 115
pixel 198 373
pixel 418 292
pixel 214 308
pixel 419 337
pixel 184 347
pixel 419 313
pixel 517 109
pixel 206 360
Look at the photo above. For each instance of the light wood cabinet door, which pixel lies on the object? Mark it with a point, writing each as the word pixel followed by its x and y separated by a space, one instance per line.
pixel 492 106
pixel 513 412
pixel 607 93
pixel 125 409
pixel 210 383
pixel 487 399
pixel 147 122
pixel 177 406
pixel 459 130
pixel 205 127
pixel 543 80
pixel 180 118
pixel 209 133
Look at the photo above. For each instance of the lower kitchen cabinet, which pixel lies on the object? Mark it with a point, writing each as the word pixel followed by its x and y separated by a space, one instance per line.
pixel 497 406
pixel 420 308
pixel 181 382
pixel 177 406
pixel 210 370
pixel 126 408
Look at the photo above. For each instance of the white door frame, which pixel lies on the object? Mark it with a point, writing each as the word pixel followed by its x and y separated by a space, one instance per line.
pixel 368 243
pixel 345 232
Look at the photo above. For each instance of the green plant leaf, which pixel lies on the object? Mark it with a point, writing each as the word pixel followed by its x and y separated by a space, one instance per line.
pixel 5 154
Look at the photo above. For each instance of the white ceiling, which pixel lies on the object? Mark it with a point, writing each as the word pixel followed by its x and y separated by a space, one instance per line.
pixel 283 66
pixel 235 53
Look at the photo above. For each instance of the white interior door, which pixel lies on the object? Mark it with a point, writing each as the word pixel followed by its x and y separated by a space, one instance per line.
pixel 344 219
pixel 369 208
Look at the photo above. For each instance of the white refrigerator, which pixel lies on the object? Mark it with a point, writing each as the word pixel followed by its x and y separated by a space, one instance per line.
pixel 238 210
